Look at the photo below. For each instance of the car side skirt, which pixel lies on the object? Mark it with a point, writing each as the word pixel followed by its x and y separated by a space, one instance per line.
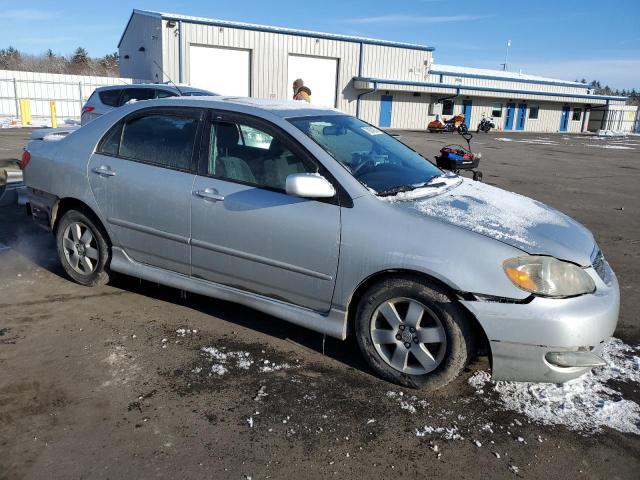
pixel 333 324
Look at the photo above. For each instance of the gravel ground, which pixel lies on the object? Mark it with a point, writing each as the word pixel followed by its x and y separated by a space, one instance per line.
pixel 134 380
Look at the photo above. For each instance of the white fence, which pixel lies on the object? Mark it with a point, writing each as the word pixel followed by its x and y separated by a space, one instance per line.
pixel 619 118
pixel 69 92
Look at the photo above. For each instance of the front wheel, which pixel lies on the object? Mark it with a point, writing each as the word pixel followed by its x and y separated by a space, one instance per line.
pixel 83 249
pixel 412 333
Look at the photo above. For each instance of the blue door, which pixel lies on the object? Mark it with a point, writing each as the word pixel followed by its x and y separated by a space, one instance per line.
pixel 508 121
pixel 386 101
pixel 466 111
pixel 522 116
pixel 564 119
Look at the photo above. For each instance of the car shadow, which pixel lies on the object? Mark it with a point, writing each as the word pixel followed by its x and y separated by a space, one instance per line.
pixel 23 236
pixel 346 352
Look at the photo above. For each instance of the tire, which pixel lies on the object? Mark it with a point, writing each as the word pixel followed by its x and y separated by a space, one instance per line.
pixel 477 176
pixel 91 249
pixel 442 321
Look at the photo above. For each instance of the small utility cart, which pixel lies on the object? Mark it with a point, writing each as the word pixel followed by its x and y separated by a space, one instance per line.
pixel 457 158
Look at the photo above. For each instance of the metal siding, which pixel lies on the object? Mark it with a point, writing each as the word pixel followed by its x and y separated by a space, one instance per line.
pixel 270 50
pixel 503 84
pixel 269 55
pixel 395 63
pixel 144 31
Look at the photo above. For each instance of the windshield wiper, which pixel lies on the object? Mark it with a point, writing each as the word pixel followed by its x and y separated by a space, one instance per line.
pixel 407 188
pixel 396 190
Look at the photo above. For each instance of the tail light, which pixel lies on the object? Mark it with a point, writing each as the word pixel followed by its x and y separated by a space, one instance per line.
pixel 86 109
pixel 24 161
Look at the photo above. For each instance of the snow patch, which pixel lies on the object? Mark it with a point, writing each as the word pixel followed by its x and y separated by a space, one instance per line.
pixel 491 211
pixel 447 433
pixel 183 332
pixel 223 361
pixel 612 133
pixel 434 187
pixel 614 147
pixel 410 403
pixel 585 404
pixel 536 141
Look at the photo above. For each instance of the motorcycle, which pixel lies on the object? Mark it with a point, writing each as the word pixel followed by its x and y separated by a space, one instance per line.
pixel 485 125
pixel 454 124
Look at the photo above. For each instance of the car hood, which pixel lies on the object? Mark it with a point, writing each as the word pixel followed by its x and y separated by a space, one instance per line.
pixel 511 218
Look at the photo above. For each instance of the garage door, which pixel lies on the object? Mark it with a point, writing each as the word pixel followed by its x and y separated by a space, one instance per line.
pixel 319 74
pixel 222 70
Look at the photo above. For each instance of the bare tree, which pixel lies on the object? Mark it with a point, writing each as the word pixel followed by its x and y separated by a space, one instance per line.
pixel 78 63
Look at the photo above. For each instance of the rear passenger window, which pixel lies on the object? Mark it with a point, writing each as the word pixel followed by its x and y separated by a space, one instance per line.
pixel 162 139
pixel 111 141
pixel 136 94
pixel 110 97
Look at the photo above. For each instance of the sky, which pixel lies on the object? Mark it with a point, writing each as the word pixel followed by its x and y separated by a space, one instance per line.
pixel 564 39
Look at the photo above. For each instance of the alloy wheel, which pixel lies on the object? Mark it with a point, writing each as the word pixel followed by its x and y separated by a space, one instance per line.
pixel 408 336
pixel 80 248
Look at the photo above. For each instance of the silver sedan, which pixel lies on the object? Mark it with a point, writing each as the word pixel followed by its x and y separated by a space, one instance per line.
pixel 323 220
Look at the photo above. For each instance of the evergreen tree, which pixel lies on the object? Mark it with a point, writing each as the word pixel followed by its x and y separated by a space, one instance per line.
pixel 80 57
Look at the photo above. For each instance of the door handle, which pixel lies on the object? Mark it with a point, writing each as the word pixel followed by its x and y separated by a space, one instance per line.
pixel 209 194
pixel 104 171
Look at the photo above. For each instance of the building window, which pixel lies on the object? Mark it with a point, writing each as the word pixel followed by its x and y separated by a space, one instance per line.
pixel 533 111
pixel 496 110
pixel 447 107
pixel 577 114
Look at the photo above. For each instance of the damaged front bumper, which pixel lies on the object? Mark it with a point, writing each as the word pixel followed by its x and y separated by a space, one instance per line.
pixel 550 340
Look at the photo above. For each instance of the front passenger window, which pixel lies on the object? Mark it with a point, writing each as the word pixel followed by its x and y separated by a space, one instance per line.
pixel 246 154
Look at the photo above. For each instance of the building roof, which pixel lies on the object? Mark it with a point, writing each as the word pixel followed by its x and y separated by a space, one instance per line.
pixel 458 87
pixel 273 29
pixel 501 75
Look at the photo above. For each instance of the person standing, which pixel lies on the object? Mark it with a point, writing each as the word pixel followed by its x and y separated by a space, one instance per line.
pixel 300 92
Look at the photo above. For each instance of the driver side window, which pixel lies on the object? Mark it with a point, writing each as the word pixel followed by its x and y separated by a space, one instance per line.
pixel 247 154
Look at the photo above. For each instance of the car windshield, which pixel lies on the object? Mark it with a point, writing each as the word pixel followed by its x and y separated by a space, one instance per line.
pixel 373 157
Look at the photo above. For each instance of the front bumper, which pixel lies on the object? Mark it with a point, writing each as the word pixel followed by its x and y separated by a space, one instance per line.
pixel 521 335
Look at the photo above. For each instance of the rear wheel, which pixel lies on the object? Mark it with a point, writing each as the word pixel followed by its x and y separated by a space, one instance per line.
pixel 82 248
pixel 412 333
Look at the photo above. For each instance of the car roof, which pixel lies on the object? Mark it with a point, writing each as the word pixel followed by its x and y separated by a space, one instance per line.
pixel 280 108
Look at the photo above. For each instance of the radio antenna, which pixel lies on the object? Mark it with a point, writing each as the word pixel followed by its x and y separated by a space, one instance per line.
pixel 172 82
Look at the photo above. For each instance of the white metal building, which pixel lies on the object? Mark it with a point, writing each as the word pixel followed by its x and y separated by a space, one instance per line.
pixel 389 84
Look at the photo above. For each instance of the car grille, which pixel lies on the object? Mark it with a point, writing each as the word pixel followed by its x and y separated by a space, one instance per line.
pixel 600 265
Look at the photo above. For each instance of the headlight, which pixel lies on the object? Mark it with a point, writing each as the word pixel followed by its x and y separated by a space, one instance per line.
pixel 548 276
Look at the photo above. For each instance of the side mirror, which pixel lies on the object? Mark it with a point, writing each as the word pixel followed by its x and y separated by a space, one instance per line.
pixel 309 185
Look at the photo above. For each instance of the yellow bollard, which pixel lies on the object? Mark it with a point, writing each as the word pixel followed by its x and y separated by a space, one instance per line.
pixel 25 111
pixel 54 119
